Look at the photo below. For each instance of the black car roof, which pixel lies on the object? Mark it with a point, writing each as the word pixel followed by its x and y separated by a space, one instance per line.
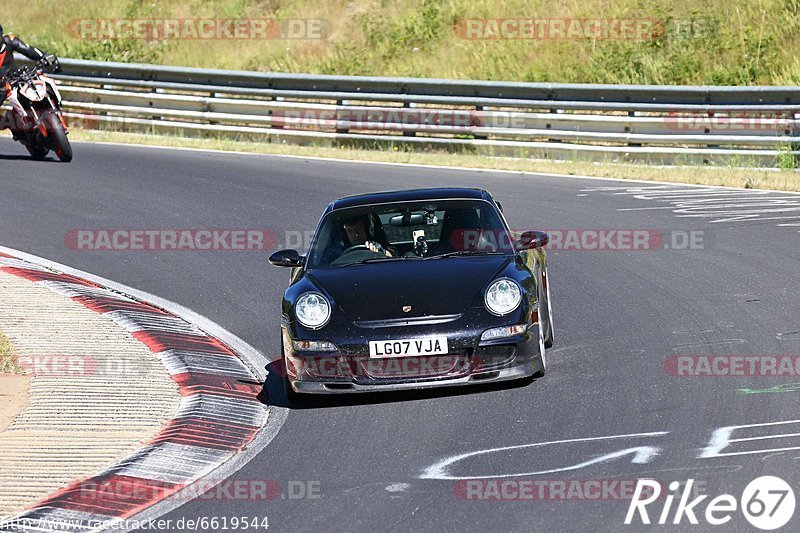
pixel 411 195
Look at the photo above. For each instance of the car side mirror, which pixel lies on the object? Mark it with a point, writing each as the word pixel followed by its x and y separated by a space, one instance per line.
pixel 530 240
pixel 286 258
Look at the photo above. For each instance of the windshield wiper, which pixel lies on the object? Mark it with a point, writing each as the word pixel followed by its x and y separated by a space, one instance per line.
pixel 465 252
pixel 379 260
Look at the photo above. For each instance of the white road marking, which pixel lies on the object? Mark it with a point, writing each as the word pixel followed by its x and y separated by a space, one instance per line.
pixel 713 204
pixel 645 208
pixel 641 455
pixel 721 342
pixel 721 439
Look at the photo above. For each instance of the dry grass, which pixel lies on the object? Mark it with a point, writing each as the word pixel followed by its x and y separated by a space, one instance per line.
pixel 696 41
pixel 786 180
pixel 8 361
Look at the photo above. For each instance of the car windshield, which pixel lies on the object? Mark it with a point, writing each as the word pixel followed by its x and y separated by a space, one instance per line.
pixel 408 230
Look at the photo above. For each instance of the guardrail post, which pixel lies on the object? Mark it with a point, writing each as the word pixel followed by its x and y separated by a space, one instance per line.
pixel 406 133
pixel 707 130
pixel 340 103
pixel 481 137
pixel 794 131
pixel 631 114
pixel 275 123
pixel 207 107
pixel 553 111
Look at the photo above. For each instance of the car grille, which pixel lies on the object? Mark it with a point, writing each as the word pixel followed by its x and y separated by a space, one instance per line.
pixel 366 370
pixel 409 321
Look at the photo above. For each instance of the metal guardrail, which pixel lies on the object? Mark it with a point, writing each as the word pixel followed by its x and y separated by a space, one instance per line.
pixel 656 124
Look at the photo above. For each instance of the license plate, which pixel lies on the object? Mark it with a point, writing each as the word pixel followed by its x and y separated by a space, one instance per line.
pixel 408 347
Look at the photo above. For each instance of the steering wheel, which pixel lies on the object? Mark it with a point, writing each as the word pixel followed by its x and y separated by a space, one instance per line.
pixel 356 247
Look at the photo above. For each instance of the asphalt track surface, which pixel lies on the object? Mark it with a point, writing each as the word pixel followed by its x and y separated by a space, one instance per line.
pixel 618 315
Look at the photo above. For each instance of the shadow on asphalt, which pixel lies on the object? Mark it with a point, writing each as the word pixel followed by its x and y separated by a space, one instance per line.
pixel 273 393
pixel 24 157
pixel 8 157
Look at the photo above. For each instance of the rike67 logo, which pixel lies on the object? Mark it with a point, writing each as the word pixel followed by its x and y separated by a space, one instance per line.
pixel 767 503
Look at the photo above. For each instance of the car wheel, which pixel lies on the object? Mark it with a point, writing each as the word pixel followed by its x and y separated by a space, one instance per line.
pixel 542 351
pixel 548 339
pixel 289 392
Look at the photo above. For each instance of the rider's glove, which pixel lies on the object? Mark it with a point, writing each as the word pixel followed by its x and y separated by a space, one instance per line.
pixel 52 62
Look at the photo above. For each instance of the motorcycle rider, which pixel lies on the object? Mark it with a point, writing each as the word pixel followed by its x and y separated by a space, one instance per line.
pixel 8 45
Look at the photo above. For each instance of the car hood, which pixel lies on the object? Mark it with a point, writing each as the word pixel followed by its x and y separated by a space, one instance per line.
pixel 379 291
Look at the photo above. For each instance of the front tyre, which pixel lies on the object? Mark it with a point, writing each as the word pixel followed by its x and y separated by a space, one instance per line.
pixel 548 339
pixel 288 392
pixel 542 351
pixel 37 151
pixel 58 138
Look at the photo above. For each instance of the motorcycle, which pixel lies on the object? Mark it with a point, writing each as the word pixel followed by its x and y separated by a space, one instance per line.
pixel 36 118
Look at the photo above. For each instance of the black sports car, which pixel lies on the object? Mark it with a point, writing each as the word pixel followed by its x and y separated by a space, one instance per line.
pixel 411 289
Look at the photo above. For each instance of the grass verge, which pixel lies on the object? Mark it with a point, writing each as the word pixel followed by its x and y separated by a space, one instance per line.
pixel 781 179
pixel 8 361
pixel 716 42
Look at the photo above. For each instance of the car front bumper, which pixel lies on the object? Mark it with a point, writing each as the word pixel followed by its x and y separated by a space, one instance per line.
pixel 525 362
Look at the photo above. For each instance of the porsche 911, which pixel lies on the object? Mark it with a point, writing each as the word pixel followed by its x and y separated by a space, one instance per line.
pixel 414 289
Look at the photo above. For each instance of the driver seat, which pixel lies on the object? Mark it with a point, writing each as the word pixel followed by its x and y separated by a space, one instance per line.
pixel 461 231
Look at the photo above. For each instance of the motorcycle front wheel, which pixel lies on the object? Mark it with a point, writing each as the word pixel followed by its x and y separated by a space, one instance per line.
pixel 37 151
pixel 58 138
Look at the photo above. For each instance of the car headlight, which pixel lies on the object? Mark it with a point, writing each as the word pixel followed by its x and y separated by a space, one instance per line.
pixel 503 296
pixel 312 310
